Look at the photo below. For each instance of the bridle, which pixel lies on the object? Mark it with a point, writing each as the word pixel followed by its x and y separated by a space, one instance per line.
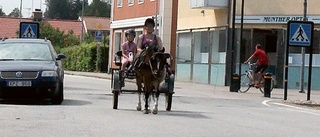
pixel 153 71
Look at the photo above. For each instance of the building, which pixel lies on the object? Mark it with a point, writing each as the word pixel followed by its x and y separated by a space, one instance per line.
pixel 205 46
pixel 92 24
pixel 131 14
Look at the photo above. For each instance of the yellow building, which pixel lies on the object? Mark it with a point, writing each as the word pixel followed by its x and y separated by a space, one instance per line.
pixel 205 46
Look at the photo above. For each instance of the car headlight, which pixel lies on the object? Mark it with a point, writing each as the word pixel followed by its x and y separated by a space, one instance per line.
pixel 49 74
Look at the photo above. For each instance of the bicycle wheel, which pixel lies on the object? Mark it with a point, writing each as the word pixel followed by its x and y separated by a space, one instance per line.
pixel 261 85
pixel 244 83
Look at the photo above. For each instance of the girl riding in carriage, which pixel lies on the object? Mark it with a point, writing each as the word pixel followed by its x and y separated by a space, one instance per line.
pixel 128 48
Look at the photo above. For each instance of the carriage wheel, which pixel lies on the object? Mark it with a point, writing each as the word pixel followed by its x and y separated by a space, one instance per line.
pixel 116 89
pixel 115 99
pixel 168 101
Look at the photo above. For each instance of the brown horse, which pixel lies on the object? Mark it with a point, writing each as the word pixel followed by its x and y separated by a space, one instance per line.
pixel 150 75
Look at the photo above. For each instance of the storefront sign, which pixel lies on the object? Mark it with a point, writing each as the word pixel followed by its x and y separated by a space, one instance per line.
pixel 275 19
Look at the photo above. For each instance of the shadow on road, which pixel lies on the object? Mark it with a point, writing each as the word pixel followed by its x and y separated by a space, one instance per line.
pixel 188 114
pixel 66 102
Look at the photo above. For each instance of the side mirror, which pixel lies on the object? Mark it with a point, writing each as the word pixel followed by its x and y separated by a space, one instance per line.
pixel 60 57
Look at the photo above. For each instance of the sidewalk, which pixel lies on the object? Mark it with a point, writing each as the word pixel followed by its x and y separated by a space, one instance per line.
pixel 293 96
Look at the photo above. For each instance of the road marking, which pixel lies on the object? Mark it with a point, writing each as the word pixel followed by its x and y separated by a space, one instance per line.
pixel 265 102
pixel 295 108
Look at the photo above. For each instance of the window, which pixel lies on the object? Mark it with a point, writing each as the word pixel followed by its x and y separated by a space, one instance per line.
pixel 117 42
pixel 119 3
pixel 197 46
pixel 130 2
pixel 140 1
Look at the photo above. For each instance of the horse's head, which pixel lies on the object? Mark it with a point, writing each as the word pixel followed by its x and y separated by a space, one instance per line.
pixel 157 63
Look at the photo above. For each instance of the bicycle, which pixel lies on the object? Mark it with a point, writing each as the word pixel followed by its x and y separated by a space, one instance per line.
pixel 247 79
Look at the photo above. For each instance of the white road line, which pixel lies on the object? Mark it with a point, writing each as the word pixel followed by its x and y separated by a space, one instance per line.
pixel 265 102
pixel 295 108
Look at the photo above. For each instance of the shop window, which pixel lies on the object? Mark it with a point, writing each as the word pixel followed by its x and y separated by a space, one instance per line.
pixel 184 48
pixel 202 42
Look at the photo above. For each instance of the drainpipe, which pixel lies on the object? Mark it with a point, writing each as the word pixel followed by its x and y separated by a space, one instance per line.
pixel 156 19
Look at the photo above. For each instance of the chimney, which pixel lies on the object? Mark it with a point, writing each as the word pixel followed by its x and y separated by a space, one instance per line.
pixel 37 15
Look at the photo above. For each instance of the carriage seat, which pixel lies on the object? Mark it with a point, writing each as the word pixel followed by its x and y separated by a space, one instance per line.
pixel 128 73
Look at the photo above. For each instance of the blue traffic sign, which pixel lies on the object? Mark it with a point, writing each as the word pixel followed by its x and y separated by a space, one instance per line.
pixel 300 33
pixel 29 30
pixel 98 35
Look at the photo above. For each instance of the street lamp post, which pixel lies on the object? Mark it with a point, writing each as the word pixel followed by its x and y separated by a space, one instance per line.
pixel 82 26
pixel 303 52
pixel 20 16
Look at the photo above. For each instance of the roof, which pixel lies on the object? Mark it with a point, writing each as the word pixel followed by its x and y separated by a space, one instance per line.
pixel 91 23
pixel 66 25
pixel 10 25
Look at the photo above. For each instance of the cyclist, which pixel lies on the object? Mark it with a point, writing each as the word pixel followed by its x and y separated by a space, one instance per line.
pixel 128 48
pixel 262 62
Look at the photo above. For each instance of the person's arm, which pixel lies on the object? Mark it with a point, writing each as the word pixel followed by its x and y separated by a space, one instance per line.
pixel 123 51
pixel 160 46
pixel 139 43
pixel 249 59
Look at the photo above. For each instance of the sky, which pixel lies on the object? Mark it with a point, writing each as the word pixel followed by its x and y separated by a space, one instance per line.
pixel 27 6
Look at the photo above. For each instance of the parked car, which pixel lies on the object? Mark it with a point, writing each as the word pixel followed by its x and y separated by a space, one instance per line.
pixel 30 69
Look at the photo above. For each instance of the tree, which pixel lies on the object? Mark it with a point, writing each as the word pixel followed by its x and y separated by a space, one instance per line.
pixel 2 13
pixel 15 13
pixel 98 8
pixel 77 8
pixel 59 39
pixel 59 9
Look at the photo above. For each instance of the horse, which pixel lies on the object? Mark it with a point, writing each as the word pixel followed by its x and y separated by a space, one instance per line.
pixel 150 74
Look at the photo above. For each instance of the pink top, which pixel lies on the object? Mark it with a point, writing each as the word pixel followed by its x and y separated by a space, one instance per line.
pixel 129 47
pixel 146 43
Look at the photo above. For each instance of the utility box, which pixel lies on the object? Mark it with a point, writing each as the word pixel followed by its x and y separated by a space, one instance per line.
pixel 208 4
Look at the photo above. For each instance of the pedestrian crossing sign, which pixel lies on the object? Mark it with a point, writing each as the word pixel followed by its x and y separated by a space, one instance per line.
pixel 29 30
pixel 300 33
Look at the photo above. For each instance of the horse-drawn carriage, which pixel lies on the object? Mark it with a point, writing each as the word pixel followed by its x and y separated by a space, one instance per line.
pixel 166 87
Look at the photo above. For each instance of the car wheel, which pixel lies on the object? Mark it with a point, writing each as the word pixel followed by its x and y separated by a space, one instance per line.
pixel 57 98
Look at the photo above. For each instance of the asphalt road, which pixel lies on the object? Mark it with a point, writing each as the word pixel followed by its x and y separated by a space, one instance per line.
pixel 197 111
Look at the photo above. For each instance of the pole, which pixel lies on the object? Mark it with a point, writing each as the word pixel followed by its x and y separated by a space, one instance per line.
pixel 241 35
pixel 20 16
pixel 81 36
pixel 303 52
pixel 32 6
pixel 232 44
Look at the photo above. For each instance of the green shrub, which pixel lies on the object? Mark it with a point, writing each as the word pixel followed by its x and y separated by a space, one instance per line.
pixel 85 57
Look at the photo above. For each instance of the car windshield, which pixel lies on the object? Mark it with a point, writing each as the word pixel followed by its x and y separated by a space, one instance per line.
pixel 25 51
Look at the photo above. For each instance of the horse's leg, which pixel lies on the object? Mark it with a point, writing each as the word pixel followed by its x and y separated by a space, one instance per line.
pixel 155 107
pixel 139 85
pixel 139 99
pixel 146 106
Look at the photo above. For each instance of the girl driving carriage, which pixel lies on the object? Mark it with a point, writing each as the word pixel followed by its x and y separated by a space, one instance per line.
pixel 146 40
